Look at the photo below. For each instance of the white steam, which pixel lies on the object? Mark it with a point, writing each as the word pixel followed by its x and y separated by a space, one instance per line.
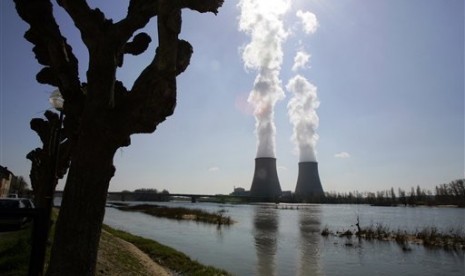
pixel 302 114
pixel 304 102
pixel 300 60
pixel 263 22
pixel 309 21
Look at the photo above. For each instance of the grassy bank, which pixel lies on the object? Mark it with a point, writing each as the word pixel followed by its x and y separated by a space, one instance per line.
pixel 166 256
pixel 180 213
pixel 113 258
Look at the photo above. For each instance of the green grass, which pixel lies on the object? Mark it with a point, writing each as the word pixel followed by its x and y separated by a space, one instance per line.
pixel 15 249
pixel 166 256
pixel 112 255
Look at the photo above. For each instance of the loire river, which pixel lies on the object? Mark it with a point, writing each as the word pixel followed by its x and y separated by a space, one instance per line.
pixel 269 241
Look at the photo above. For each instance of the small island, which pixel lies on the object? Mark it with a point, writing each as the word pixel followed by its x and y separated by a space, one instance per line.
pixel 180 213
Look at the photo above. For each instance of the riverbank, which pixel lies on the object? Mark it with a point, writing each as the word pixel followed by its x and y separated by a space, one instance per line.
pixel 173 261
pixel 119 257
pixel 120 253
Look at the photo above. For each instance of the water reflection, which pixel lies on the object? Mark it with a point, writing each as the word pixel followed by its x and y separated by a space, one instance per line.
pixel 309 224
pixel 266 221
pixel 266 241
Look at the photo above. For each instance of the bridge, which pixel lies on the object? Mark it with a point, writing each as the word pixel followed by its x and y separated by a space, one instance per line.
pixel 148 196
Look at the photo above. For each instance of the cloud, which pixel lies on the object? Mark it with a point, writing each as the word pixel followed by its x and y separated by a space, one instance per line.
pixel 213 169
pixel 300 60
pixel 283 168
pixel 309 21
pixel 342 155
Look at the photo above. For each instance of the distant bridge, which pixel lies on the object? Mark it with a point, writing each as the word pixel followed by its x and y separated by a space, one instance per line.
pixel 147 196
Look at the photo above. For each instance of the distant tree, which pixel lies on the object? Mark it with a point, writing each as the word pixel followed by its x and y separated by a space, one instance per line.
pixel 371 198
pixel 146 190
pixel 102 114
pixel 393 195
pixel 402 196
pixel 412 199
pixel 451 193
pixel 18 185
pixel 457 188
pixel 420 194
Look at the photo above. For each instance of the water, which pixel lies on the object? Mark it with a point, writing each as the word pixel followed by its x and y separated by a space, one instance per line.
pixel 270 241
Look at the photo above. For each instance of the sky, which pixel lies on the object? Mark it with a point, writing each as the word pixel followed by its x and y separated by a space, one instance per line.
pixel 385 90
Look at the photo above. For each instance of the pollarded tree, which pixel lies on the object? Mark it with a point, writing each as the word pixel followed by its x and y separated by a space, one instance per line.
pixel 45 168
pixel 102 114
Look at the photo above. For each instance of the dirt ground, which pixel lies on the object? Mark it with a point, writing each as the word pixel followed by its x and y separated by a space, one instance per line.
pixel 118 257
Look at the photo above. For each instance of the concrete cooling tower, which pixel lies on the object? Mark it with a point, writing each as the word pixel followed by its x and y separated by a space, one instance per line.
pixel 308 181
pixel 265 180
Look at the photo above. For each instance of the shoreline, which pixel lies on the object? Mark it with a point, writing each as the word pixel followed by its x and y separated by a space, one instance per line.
pixel 170 260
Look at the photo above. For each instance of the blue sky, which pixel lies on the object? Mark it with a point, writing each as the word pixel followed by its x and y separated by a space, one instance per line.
pixel 389 77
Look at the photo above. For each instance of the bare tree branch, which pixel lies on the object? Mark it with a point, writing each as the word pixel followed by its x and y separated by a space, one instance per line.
pixel 88 21
pixel 139 14
pixel 51 50
pixel 201 6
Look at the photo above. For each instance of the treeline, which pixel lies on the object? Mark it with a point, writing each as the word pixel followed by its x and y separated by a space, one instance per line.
pixel 452 193
pixel 19 186
pixel 146 194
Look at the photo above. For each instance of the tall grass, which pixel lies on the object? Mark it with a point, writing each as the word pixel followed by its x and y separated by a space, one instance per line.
pixel 453 239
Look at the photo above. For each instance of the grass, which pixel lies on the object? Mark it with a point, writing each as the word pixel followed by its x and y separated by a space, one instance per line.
pixel 15 248
pixel 115 259
pixel 453 239
pixel 166 256
pixel 180 213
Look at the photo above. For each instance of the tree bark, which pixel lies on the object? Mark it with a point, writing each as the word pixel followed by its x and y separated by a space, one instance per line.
pixel 74 251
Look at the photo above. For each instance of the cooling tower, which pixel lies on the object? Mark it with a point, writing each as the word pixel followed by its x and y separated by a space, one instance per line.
pixel 265 180
pixel 308 181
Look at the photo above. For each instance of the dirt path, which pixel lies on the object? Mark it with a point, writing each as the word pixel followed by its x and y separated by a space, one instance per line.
pixel 119 257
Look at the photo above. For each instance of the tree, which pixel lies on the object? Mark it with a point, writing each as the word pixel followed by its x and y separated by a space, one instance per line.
pixel 48 165
pixel 18 185
pixel 102 114
pixel 412 199
pixel 393 195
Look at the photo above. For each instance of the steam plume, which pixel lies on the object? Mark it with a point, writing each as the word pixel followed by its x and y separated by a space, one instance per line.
pixel 302 114
pixel 262 21
pixel 300 60
pixel 302 106
pixel 309 21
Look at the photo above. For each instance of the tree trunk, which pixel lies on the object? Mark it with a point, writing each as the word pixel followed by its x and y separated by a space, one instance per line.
pixel 101 115
pixel 83 206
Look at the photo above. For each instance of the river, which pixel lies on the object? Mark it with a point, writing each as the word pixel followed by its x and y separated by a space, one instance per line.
pixel 270 241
